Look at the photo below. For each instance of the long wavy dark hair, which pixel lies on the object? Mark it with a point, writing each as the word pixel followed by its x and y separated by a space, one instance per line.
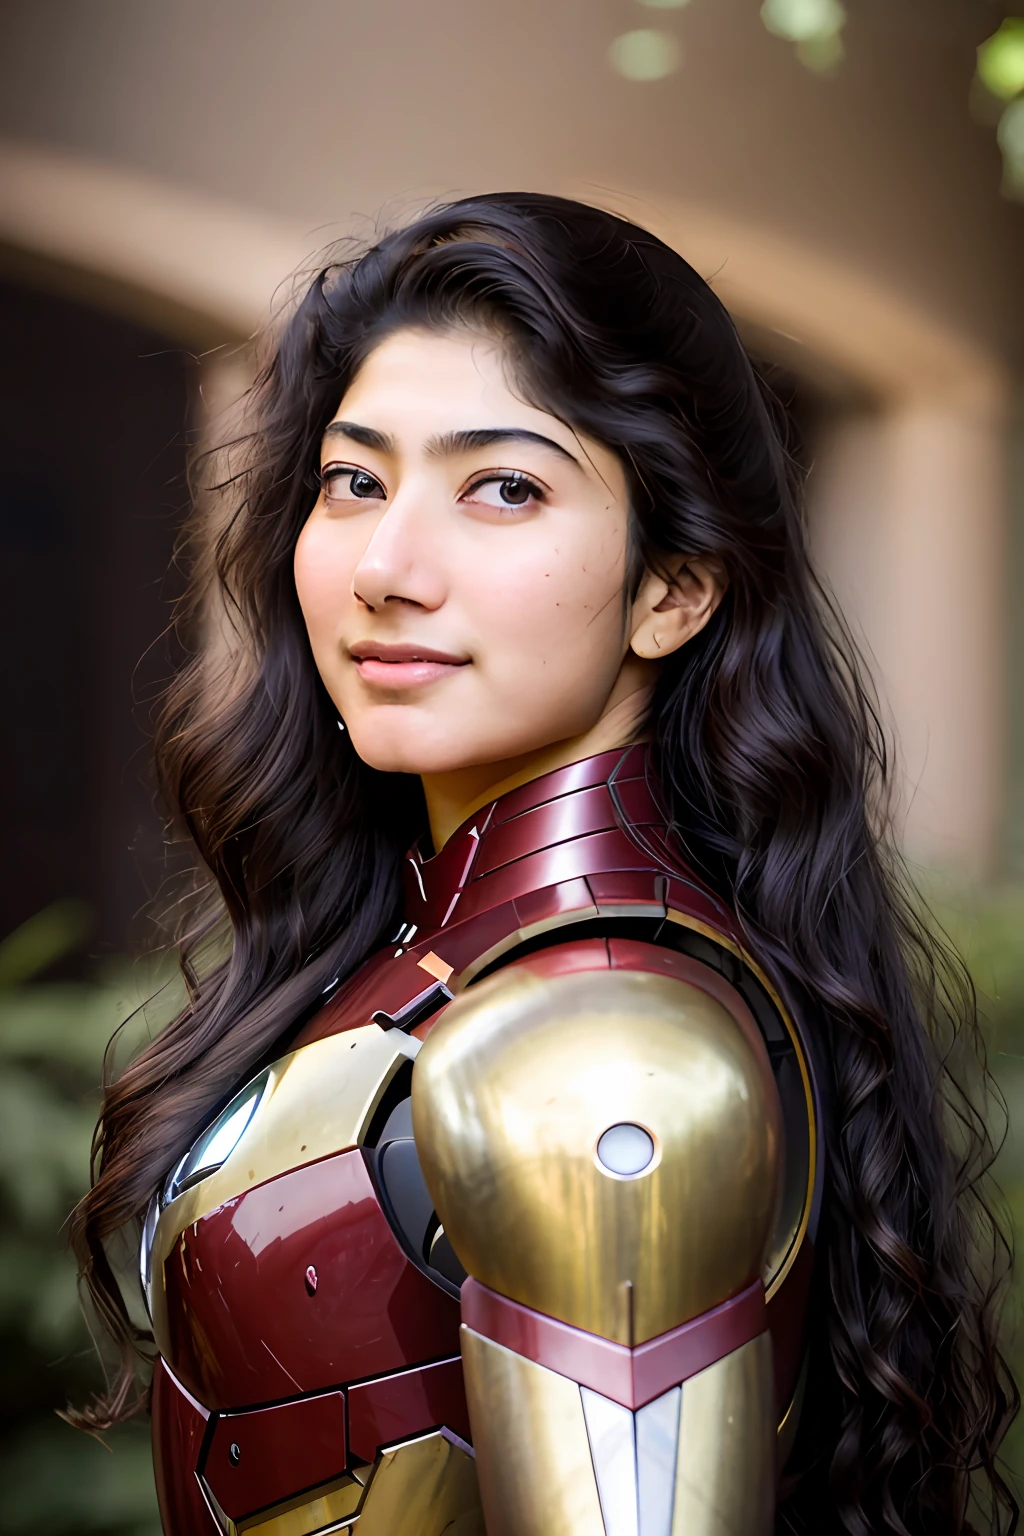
pixel 773 763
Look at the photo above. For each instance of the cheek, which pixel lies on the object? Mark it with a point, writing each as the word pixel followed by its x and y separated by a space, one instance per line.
pixel 323 579
pixel 559 609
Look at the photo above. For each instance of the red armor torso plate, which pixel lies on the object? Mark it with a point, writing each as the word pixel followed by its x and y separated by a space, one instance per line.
pixel 304 1306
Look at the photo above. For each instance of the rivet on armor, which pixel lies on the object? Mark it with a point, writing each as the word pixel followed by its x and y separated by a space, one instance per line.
pixel 311 1280
pixel 625 1149
pixel 234 1454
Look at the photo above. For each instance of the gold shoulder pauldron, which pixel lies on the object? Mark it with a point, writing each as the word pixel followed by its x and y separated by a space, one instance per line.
pixel 605 1151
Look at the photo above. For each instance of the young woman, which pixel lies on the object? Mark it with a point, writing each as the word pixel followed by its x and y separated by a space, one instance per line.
pixel 528 750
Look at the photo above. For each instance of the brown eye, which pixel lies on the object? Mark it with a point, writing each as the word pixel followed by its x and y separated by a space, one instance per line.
pixel 515 493
pixel 506 491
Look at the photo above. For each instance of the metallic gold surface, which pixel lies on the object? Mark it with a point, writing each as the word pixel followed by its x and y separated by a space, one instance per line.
pixel 521 936
pixel 304 1516
pixel 532 1450
pixel 725 1471
pixel 426 1487
pixel 511 1092
pixel 774 1280
pixel 318 1100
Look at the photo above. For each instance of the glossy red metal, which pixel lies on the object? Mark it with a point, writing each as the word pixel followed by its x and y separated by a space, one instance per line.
pixel 550 866
pixel 787 1323
pixel 626 888
pixel 624 763
pixel 178 1427
pixel 244 1329
pixel 553 847
pixel 396 1407
pixel 531 837
pixel 553 901
pixel 262 1458
pixel 566 959
pixel 559 821
pixel 384 982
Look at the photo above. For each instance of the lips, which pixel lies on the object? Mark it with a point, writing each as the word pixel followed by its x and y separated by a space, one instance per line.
pixel 403 666
pixel 370 650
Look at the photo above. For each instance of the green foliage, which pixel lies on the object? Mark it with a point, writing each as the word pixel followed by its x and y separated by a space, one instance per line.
pixel 988 930
pixel 56 1481
pixel 49 936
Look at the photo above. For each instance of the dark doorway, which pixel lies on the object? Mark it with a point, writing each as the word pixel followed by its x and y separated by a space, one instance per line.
pixel 93 417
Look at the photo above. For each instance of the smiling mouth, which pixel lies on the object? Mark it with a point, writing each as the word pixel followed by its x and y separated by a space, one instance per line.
pixel 403 666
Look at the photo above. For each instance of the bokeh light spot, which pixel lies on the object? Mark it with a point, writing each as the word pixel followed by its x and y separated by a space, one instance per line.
pixel 664 5
pixel 803 21
pixel 1001 60
pixel 645 54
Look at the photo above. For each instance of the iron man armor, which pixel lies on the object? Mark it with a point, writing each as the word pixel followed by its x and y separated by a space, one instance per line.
pixel 549 1281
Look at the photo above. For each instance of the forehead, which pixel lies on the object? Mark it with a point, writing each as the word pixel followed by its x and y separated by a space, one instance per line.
pixel 427 380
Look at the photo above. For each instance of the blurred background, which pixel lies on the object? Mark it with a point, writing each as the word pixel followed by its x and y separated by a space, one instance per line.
pixel 852 182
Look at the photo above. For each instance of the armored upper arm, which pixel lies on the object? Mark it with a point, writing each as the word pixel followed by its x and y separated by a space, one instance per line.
pixel 604 1151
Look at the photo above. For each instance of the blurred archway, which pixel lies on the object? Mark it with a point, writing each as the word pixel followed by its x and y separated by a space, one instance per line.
pixel 906 487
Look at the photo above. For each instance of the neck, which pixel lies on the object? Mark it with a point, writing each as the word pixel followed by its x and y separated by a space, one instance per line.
pixel 452 797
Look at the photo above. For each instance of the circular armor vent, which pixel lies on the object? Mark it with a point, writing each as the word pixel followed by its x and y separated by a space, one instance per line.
pixel 625 1149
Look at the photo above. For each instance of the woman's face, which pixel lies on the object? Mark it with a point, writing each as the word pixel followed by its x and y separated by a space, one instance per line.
pixel 461 575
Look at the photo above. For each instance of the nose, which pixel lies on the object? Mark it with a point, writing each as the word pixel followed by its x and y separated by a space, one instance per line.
pixel 399 563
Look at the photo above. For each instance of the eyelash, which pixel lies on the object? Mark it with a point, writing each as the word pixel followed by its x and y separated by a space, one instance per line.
pixel 340 471
pixel 516 477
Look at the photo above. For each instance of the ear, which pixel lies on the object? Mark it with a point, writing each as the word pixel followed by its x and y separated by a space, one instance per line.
pixel 674 604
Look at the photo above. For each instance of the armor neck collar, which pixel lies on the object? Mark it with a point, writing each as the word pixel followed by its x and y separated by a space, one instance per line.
pixel 590 841
pixel 563 806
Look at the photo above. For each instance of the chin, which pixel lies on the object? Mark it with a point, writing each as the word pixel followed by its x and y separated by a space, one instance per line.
pixel 408 750
pixel 397 746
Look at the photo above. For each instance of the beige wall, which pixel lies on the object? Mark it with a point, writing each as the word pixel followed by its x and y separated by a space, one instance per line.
pixel 323 111
pixel 195 151
pixel 908 512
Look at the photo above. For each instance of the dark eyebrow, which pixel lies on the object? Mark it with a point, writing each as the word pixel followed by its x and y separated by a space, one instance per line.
pixel 485 437
pixel 366 437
